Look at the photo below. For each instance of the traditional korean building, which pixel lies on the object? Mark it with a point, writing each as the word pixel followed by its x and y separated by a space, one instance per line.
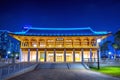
pixel 59 44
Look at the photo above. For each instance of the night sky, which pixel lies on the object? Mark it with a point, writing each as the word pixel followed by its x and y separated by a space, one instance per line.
pixel 101 15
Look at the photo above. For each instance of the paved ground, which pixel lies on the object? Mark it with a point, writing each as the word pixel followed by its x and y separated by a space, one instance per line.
pixel 63 71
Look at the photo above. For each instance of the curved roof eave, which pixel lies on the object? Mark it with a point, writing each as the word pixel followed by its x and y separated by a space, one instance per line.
pixel 47 29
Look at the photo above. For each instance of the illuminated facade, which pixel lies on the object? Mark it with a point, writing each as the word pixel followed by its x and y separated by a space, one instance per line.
pixel 59 44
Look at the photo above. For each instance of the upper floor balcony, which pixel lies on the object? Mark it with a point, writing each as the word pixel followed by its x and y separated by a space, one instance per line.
pixel 59 45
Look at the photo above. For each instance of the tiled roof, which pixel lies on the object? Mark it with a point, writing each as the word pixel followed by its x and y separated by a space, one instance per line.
pixel 60 32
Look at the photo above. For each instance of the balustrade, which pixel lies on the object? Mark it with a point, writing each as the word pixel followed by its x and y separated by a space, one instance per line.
pixel 9 70
pixel 54 43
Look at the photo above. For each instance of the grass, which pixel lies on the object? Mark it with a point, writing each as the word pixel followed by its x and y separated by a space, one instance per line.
pixel 109 70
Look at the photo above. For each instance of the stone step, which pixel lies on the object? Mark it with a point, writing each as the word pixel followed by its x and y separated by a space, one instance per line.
pixel 60 66
pixel 76 66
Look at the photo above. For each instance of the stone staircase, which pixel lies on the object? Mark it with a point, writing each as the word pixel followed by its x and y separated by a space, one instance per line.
pixel 61 66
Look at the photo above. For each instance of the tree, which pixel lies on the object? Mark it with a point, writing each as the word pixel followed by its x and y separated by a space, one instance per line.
pixel 2 53
pixel 117 40
pixel 104 48
pixel 116 44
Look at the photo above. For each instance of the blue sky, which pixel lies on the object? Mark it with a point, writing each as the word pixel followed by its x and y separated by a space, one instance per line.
pixel 100 15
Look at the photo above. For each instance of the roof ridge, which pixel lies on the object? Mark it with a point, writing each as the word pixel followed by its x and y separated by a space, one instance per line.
pixel 82 28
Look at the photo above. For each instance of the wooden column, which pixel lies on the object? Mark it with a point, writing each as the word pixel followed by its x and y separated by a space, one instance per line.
pixel 36 55
pixel 64 55
pixel 91 55
pixel 73 55
pixel 28 55
pixel 82 52
pixel 54 55
pixel 45 55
